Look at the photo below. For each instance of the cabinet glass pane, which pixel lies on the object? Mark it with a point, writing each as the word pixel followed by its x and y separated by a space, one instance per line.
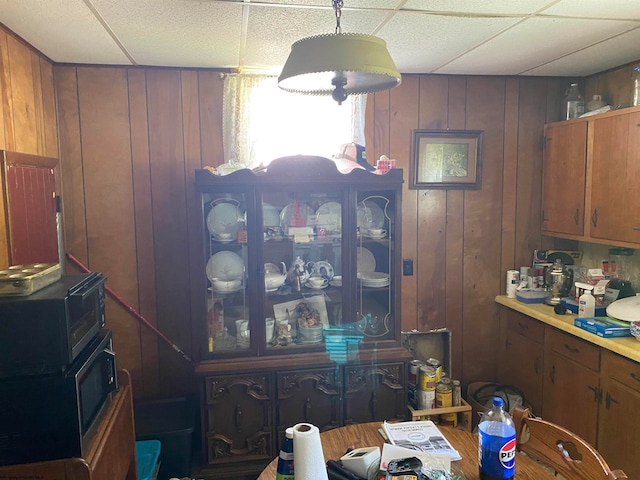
pixel 375 215
pixel 226 269
pixel 302 260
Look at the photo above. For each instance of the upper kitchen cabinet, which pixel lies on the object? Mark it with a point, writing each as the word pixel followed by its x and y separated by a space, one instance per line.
pixel 564 178
pixel 615 186
pixel 591 167
pixel 299 259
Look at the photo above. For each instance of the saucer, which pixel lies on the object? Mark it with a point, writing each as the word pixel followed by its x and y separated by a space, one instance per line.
pixel 324 285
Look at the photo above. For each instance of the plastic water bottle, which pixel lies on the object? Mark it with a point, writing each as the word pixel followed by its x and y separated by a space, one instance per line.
pixel 496 443
pixel 573 103
pixel 285 459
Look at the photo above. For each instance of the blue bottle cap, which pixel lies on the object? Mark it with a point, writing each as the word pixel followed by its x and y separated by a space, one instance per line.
pixel 498 402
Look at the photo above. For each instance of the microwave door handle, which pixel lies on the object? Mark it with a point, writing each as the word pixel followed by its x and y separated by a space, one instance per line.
pixel 110 356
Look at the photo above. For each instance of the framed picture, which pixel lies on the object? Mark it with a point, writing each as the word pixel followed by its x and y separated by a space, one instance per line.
pixel 445 159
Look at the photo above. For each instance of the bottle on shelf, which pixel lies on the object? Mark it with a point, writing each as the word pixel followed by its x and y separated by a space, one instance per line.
pixel 572 103
pixel 496 443
pixel 587 304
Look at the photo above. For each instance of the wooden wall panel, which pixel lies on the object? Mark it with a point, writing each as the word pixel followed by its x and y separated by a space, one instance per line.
pixel 50 126
pixel 6 130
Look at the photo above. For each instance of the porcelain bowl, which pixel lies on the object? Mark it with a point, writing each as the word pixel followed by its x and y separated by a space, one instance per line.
pixel 635 329
pixel 225 285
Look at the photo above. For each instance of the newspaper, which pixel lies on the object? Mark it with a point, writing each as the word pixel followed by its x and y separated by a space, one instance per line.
pixel 421 436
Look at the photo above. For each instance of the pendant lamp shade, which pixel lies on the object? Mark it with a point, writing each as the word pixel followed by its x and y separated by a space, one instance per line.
pixel 339 64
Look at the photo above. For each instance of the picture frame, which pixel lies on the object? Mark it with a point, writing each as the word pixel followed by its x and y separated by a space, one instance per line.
pixel 446 159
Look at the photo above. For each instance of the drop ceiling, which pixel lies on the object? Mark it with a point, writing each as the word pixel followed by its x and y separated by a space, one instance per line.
pixel 483 37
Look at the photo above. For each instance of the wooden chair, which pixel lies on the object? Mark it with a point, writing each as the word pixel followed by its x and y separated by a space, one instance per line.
pixel 563 451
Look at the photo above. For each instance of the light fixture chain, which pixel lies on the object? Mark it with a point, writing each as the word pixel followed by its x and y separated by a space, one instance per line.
pixel 337 6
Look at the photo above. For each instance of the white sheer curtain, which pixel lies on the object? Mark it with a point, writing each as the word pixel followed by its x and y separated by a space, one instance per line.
pixel 262 122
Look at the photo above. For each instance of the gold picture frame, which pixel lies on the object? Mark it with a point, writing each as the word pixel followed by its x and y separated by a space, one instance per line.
pixel 446 159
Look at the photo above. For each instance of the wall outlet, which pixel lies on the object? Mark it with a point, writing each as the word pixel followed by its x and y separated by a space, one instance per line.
pixel 407 267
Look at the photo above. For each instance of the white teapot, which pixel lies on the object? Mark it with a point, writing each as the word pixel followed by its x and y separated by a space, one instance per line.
pixel 274 276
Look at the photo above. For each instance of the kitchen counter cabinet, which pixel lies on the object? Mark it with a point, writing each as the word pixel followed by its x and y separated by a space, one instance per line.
pixel 564 177
pixel 615 190
pixel 591 384
pixel 523 356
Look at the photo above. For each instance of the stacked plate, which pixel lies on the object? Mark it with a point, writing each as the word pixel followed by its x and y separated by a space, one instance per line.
pixel 374 279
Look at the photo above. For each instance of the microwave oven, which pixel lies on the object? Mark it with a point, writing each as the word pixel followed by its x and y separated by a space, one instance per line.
pixel 44 332
pixel 49 417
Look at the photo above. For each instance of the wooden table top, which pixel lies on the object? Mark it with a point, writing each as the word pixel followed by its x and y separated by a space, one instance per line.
pixel 335 442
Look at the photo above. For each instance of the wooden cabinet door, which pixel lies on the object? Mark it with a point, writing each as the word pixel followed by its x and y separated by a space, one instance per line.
pixel 615 189
pixel 522 366
pixel 310 396
pixel 618 435
pixel 564 176
pixel 375 393
pixel 239 419
pixel 571 396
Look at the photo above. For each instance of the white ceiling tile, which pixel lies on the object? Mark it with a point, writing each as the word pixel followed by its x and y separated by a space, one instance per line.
pixel 64 30
pixel 420 43
pixel 518 7
pixel 532 42
pixel 620 9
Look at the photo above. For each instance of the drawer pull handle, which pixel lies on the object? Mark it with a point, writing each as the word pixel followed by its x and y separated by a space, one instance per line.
pixel 552 374
pixel 635 376
pixel 597 395
pixel 238 417
pixel 594 218
pixel 571 349
pixel 536 365
pixel 637 229
pixel 307 410
pixel 523 326
pixel 610 400
pixel 576 216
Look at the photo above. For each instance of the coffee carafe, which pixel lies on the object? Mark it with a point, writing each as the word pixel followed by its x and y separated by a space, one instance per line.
pixel 559 280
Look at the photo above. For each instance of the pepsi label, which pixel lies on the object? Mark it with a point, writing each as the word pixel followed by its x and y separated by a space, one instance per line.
pixel 496 453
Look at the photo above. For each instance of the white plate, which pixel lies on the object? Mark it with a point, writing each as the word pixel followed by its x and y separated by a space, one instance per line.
pixel 324 285
pixel 369 215
pixel 225 265
pixel 224 218
pixel 233 290
pixel 270 216
pixel 366 261
pixel 303 216
pixel 373 276
pixel 625 309
pixel 329 216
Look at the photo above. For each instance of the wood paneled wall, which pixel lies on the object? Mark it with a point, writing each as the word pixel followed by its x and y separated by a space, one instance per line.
pixel 130 141
pixel 463 241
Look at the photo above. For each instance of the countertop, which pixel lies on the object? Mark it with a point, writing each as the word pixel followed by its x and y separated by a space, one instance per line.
pixel 628 347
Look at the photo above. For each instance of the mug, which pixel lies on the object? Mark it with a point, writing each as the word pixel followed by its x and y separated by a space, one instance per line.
pixel 316 282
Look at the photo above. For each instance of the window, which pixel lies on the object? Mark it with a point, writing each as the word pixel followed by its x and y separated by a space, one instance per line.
pixel 263 122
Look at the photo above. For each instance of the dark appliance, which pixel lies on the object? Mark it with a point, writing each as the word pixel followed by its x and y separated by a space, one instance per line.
pixel 49 417
pixel 44 332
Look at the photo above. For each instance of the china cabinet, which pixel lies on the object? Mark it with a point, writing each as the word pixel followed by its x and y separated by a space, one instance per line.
pixel 300 305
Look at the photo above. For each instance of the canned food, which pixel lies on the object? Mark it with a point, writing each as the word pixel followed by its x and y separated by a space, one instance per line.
pixel 414 369
pixel 437 366
pixel 427 380
pixel 443 395
pixel 426 399
pixel 456 394
pixel 449 419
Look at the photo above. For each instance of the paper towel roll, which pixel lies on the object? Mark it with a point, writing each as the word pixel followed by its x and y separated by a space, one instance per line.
pixel 308 457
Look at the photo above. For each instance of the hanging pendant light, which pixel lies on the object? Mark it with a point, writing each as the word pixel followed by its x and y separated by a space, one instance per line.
pixel 339 64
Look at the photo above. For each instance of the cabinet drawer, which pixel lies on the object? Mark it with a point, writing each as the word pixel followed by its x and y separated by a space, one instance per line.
pixel 525 326
pixel 621 369
pixel 574 348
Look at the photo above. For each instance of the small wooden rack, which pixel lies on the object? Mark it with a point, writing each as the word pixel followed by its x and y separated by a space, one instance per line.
pixel 463 411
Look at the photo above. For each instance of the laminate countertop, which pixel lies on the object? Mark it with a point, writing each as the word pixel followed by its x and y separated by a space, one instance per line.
pixel 628 347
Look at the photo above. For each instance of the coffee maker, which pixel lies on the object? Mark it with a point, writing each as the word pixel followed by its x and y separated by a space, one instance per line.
pixel 558 280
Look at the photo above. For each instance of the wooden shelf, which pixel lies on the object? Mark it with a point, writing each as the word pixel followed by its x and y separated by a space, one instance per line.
pixel 463 411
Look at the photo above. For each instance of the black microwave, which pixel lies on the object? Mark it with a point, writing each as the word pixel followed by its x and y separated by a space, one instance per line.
pixel 44 332
pixel 49 417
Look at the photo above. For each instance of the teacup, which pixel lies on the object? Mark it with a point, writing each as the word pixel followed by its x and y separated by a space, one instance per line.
pixel 377 232
pixel 336 281
pixel 316 282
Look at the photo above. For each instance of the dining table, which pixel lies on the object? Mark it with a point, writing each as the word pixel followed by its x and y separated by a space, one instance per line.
pixel 335 443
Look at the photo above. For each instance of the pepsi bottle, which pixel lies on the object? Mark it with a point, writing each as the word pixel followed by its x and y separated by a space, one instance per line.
pixel 496 443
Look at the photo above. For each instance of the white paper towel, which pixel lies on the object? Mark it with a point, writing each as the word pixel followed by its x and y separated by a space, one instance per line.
pixel 308 457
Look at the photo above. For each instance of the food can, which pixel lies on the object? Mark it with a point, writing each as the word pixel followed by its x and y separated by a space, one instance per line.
pixel 437 366
pixel 443 395
pixel 456 395
pixel 449 419
pixel 426 399
pixel 414 369
pixel 427 378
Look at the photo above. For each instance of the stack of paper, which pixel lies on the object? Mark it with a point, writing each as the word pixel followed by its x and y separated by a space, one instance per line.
pixel 422 436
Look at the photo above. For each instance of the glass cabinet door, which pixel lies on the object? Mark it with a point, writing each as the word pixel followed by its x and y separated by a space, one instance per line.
pixel 228 315
pixel 375 214
pixel 302 267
